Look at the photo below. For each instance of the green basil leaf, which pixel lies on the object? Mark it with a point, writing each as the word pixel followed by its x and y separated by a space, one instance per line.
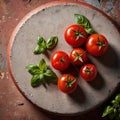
pixel 51 77
pixel 35 81
pixel 40 40
pixel 36 50
pixel 51 42
pixel 83 21
pixel 42 65
pixel 33 69
pixel 117 98
pixel 113 102
pixel 49 73
pixel 107 111
pixel 90 30
pixel 41 46
pixel 39 49
pixel 42 78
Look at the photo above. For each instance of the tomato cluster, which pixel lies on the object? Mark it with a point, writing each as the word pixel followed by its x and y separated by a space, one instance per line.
pixel 76 36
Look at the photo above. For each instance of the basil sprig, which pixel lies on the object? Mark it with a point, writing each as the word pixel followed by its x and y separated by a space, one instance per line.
pixel 51 42
pixel 113 110
pixel 43 45
pixel 41 74
pixel 83 21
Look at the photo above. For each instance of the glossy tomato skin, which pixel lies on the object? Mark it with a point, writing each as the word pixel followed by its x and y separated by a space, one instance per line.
pixel 97 44
pixel 60 60
pixel 64 83
pixel 78 56
pixel 75 35
pixel 88 72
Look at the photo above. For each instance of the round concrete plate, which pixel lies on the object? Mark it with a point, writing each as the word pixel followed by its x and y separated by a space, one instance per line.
pixel 52 19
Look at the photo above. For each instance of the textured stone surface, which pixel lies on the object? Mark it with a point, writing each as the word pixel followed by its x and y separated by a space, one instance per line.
pixel 13 106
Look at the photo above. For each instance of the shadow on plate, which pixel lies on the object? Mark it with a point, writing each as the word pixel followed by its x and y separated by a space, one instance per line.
pixel 110 58
pixel 98 83
pixel 78 96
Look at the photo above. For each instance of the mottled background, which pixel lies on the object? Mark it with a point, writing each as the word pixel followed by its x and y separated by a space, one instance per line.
pixel 13 106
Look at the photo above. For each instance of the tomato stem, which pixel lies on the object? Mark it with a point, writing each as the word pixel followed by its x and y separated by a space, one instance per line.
pixel 100 44
pixel 78 56
pixel 78 34
pixel 88 71
pixel 70 82
pixel 62 60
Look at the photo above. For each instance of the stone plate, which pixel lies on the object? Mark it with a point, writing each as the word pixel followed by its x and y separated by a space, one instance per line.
pixel 52 19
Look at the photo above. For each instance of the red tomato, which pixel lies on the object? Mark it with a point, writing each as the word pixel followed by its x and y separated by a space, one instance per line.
pixel 96 44
pixel 75 35
pixel 67 83
pixel 78 56
pixel 88 72
pixel 60 60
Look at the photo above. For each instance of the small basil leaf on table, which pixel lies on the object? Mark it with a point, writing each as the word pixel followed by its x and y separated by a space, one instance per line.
pixel 42 78
pixel 40 40
pixel 51 77
pixel 33 69
pixel 42 65
pixel 90 30
pixel 83 21
pixel 51 42
pixel 41 46
pixel 35 81
pixel 39 50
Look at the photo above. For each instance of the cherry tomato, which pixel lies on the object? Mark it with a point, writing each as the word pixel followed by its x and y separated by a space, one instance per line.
pixel 88 72
pixel 67 83
pixel 60 60
pixel 96 44
pixel 75 35
pixel 78 56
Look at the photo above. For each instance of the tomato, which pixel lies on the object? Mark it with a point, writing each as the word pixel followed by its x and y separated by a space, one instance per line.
pixel 60 60
pixel 78 56
pixel 75 35
pixel 96 44
pixel 67 83
pixel 88 72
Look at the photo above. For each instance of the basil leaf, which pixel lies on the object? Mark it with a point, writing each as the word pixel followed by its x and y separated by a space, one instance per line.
pixel 42 65
pixel 83 21
pixel 40 40
pixel 117 98
pixel 51 77
pixel 35 81
pixel 33 69
pixel 49 73
pixel 107 111
pixel 41 46
pixel 90 30
pixel 42 78
pixel 113 111
pixel 39 50
pixel 51 42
